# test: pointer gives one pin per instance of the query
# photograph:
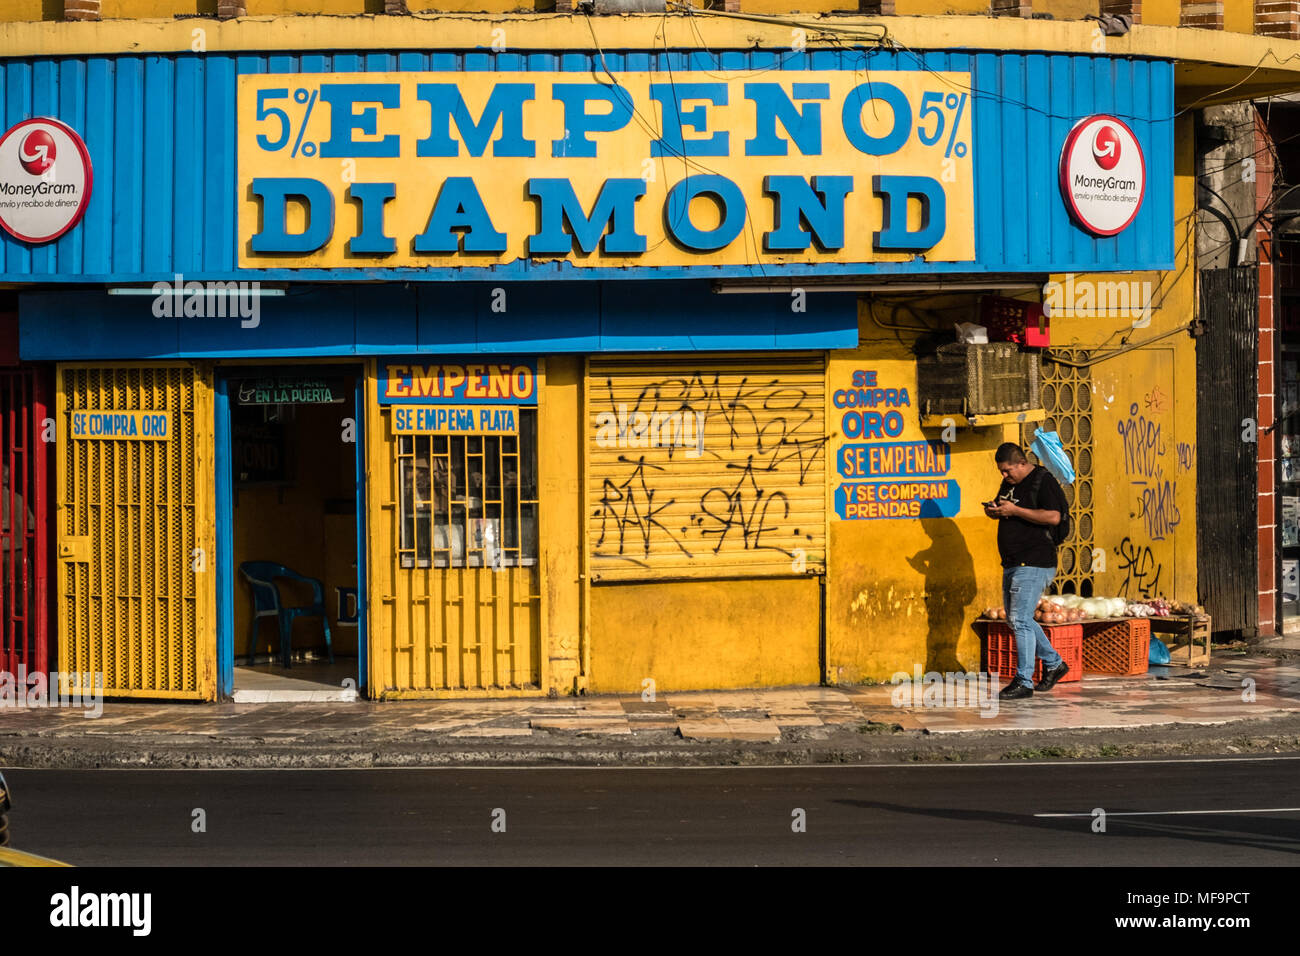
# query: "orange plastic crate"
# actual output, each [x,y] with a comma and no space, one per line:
[1117,647]
[1000,650]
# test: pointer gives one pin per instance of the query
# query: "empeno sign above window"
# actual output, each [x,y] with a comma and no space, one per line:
[398,170]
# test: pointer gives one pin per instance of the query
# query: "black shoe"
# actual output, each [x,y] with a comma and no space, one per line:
[1015,691]
[1050,678]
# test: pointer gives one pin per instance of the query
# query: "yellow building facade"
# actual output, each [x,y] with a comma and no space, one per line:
[643,407]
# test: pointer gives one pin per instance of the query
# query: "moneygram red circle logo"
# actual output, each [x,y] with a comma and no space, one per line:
[37,152]
[1106,147]
[1103,175]
[45,179]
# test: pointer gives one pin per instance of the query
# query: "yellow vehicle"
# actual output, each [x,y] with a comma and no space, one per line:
[10,857]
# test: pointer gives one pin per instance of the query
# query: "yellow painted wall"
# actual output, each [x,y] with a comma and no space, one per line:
[1059,9]
[272,8]
[903,591]
[17,10]
[155,9]
[1239,16]
[1148,532]
[295,531]
[1161,13]
[469,6]
[1067,9]
[698,635]
[936,8]
[560,414]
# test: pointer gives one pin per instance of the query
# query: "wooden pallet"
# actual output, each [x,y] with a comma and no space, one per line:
[1188,639]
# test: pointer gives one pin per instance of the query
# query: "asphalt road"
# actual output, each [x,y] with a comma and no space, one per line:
[926,815]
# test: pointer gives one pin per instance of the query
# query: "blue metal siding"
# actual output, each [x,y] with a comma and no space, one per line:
[161,134]
[457,318]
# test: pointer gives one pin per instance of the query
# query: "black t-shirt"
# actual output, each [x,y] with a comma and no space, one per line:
[1021,541]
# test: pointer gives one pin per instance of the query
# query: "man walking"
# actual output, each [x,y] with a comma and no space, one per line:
[1029,504]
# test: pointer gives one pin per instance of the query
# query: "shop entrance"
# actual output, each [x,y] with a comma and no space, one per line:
[456,580]
[288,509]
[133,531]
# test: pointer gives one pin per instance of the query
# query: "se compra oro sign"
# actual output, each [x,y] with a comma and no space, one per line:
[45,179]
[1103,175]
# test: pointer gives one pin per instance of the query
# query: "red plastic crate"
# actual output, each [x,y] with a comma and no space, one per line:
[1117,647]
[1014,320]
[1000,650]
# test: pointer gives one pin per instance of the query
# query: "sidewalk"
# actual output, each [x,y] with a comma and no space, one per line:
[1169,710]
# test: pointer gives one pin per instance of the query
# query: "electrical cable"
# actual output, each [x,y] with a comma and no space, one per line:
[1190,327]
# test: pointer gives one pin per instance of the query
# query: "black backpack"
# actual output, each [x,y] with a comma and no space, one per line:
[1060,531]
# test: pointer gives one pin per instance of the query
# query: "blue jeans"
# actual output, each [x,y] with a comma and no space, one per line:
[1021,589]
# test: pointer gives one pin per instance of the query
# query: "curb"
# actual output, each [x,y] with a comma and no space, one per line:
[1243,738]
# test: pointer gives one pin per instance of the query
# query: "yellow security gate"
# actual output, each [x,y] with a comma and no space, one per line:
[135,530]
[455,606]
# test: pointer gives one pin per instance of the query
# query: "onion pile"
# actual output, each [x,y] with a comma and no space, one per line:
[1054,610]
[1071,608]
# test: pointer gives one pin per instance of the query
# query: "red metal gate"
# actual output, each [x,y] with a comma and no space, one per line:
[24,545]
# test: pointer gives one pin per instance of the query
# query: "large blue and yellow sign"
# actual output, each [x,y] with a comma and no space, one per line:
[435,170]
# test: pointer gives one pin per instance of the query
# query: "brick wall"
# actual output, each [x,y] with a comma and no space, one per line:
[1204,16]
[1270,271]
[1011,8]
[1132,8]
[1278,18]
[80,9]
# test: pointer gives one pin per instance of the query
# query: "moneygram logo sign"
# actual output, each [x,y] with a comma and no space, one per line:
[37,152]
[45,180]
[1103,175]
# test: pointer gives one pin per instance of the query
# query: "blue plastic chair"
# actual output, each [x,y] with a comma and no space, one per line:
[261,576]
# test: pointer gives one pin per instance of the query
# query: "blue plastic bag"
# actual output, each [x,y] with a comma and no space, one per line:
[1047,446]
[1157,652]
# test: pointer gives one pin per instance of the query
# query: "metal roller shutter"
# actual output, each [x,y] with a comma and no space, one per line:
[706,466]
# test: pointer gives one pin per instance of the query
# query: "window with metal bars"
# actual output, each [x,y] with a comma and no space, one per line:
[469,501]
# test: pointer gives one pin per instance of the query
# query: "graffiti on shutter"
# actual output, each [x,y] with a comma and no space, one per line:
[706,467]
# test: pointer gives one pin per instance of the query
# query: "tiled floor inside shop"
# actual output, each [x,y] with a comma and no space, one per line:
[306,682]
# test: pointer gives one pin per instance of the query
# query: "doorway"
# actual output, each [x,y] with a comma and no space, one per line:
[291,533]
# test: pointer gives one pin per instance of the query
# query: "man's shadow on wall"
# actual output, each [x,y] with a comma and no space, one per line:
[950,588]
